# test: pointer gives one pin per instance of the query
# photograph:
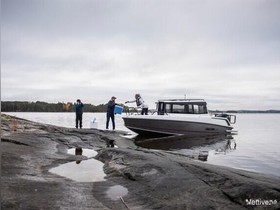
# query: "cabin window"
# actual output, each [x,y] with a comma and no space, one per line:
[168,108]
[196,109]
[190,108]
[202,109]
[178,108]
[162,108]
[199,109]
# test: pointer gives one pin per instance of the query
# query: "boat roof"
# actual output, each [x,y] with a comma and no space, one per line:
[181,100]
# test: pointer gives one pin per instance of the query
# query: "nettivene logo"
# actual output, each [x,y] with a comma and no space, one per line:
[261,202]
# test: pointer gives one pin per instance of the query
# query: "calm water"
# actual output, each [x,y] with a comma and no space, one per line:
[255,148]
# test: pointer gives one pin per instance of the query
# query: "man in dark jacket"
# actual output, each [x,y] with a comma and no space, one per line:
[79,113]
[110,112]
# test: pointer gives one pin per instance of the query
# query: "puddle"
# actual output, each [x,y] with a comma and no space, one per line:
[90,170]
[85,171]
[116,192]
[80,151]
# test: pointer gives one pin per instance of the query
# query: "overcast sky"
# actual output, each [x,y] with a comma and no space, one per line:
[227,52]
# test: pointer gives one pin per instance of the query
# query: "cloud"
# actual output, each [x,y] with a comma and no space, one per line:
[62,50]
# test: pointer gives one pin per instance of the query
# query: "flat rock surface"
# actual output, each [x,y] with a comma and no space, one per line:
[154,179]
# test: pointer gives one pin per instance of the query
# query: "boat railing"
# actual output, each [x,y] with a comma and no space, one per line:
[153,112]
[183,99]
[137,111]
[132,111]
[231,118]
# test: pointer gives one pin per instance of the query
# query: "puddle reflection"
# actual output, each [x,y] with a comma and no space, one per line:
[87,171]
[90,170]
[116,192]
[80,151]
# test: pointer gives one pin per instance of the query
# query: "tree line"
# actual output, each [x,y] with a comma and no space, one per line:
[39,106]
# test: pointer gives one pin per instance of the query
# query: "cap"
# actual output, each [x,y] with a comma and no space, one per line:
[113,97]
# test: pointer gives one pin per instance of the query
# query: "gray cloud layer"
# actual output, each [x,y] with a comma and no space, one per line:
[227,52]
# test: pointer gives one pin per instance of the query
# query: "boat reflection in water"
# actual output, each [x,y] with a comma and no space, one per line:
[196,147]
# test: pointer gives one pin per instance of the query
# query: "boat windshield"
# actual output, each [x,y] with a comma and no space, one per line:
[182,108]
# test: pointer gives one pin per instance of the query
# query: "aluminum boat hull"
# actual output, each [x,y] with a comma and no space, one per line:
[163,126]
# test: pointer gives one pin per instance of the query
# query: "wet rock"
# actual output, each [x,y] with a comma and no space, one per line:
[153,179]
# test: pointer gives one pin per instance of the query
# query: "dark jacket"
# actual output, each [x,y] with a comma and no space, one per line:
[111,107]
[79,108]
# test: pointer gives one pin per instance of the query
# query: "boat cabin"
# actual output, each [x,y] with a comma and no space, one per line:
[182,106]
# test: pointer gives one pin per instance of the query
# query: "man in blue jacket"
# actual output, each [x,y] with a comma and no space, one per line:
[79,113]
[110,112]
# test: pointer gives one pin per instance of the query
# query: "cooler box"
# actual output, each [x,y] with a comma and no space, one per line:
[118,109]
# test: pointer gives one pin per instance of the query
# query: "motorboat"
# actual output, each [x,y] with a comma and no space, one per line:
[180,117]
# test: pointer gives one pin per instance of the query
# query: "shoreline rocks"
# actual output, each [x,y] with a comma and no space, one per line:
[154,179]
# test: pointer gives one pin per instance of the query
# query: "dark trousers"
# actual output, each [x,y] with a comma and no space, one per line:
[144,111]
[79,120]
[112,116]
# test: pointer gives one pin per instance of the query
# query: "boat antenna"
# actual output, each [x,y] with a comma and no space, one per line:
[185,96]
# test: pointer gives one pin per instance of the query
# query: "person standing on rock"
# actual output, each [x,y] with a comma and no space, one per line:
[140,103]
[110,112]
[79,113]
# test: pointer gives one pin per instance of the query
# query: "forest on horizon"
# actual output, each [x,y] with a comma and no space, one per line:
[39,106]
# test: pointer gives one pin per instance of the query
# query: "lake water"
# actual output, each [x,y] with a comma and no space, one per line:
[255,148]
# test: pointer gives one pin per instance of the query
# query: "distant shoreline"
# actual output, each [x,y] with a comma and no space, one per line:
[210,111]
[248,111]
[39,106]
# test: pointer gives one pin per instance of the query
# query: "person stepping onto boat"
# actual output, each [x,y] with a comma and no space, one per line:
[140,103]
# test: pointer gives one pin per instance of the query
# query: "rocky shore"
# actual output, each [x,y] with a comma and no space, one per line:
[154,179]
